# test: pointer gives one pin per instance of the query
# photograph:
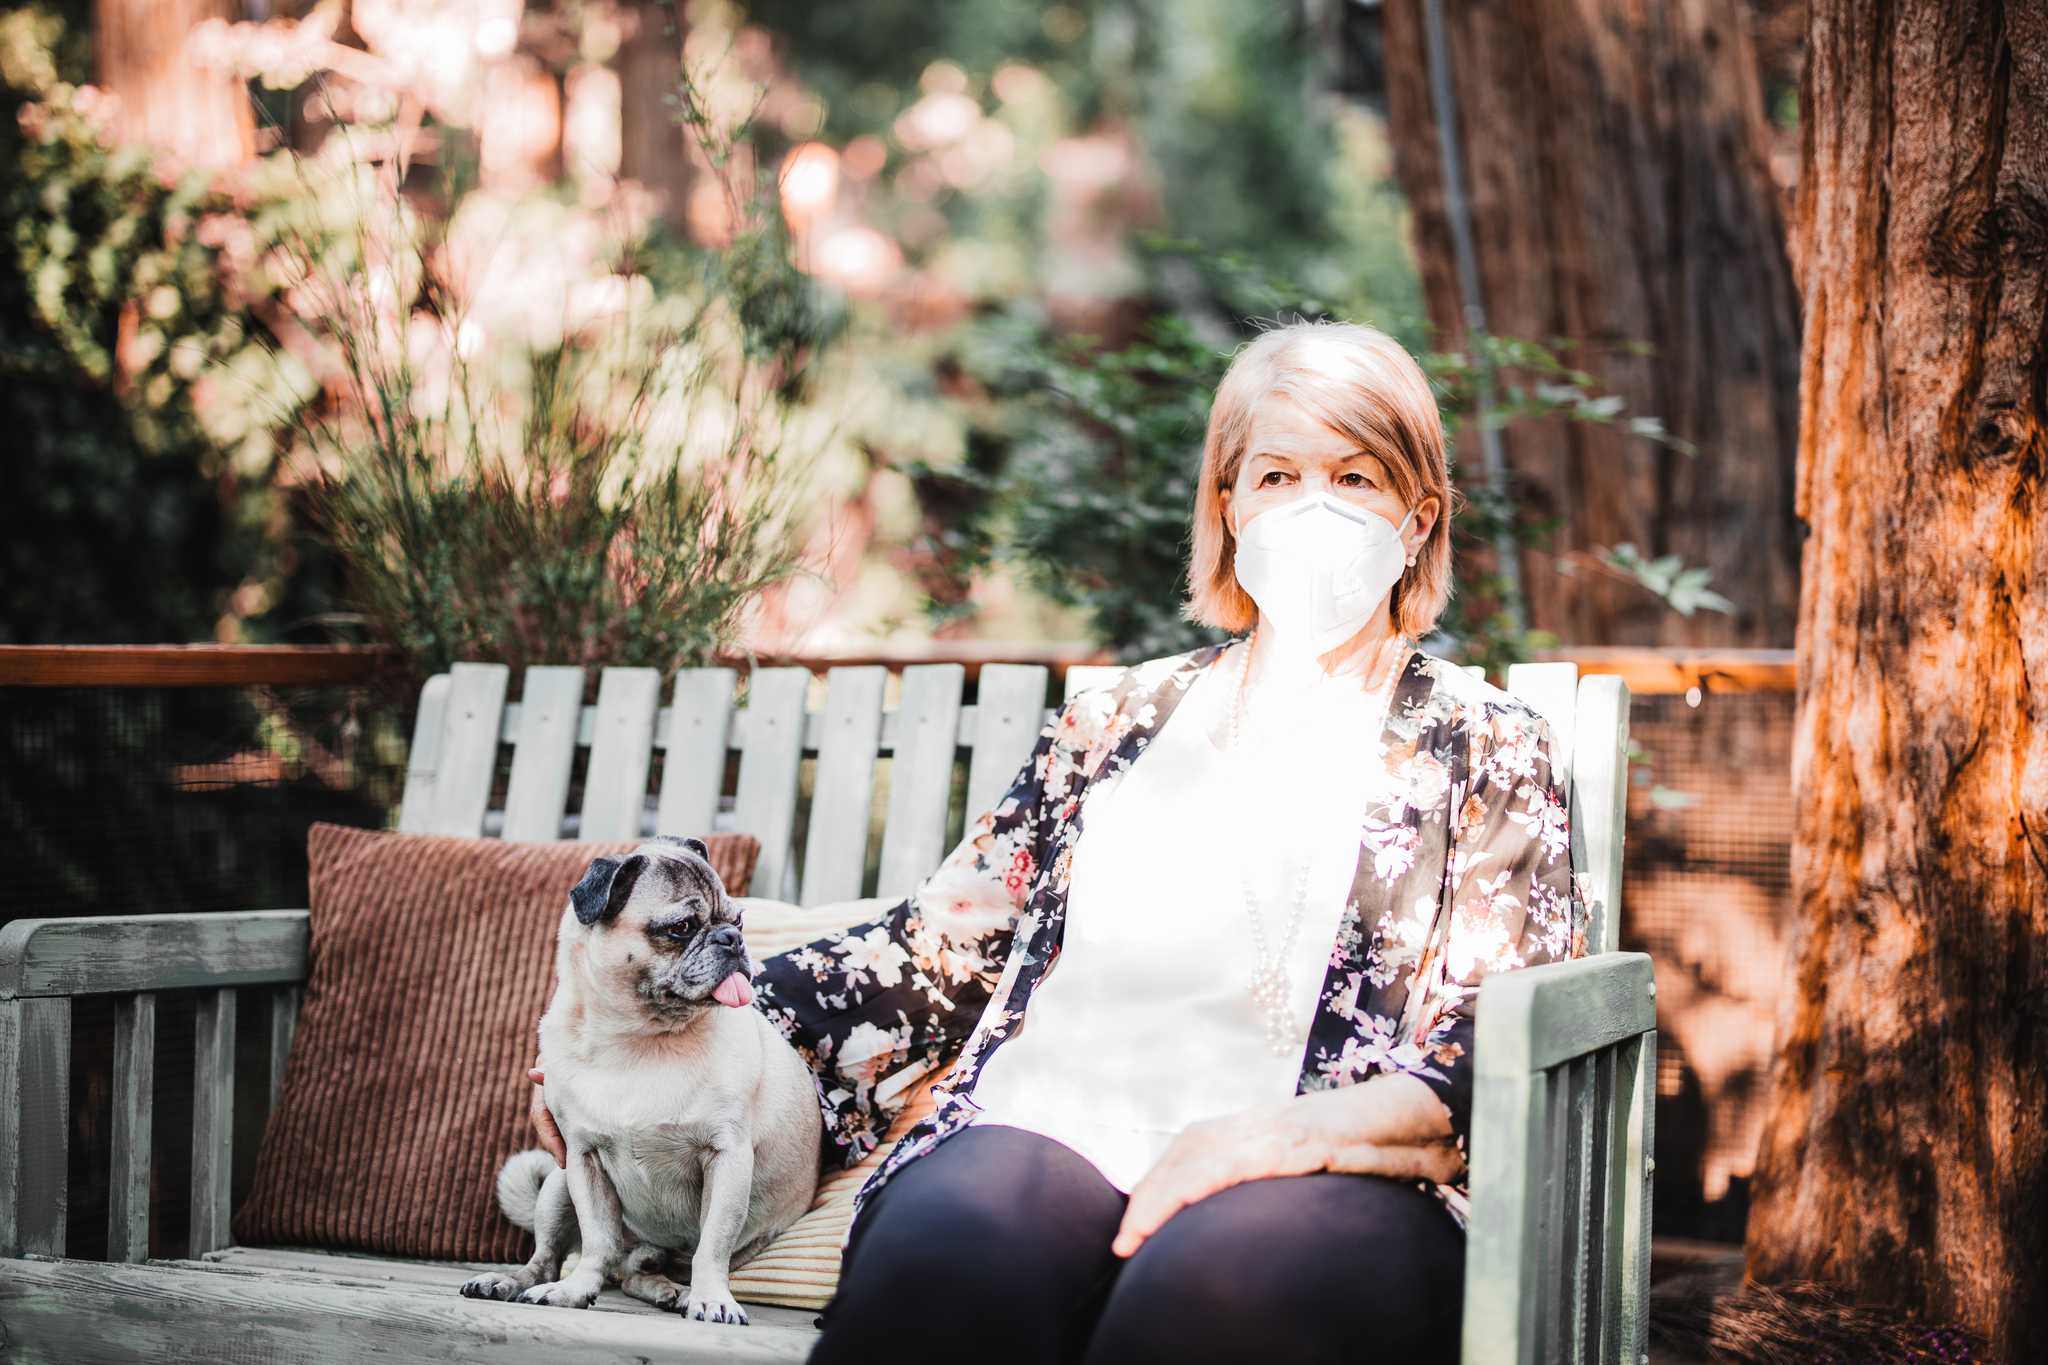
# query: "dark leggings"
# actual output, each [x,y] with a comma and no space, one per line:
[995,1246]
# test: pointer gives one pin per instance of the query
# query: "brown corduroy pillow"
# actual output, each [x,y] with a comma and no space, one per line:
[431,961]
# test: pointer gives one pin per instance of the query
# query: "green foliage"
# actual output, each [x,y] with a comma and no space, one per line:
[1533,379]
[1224,97]
[1081,465]
[1085,460]
[1667,576]
[112,311]
[865,60]
[1220,97]
[124,270]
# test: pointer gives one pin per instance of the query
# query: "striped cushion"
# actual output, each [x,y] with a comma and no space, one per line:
[431,961]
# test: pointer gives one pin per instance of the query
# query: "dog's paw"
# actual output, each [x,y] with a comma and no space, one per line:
[714,1308]
[560,1294]
[658,1290]
[491,1286]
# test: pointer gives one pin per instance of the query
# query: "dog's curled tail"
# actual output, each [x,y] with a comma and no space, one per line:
[519,1183]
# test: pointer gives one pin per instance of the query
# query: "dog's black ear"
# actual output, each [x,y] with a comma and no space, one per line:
[606,884]
[689,841]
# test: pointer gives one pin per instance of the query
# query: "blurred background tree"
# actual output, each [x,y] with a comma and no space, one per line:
[1032,220]
[1623,184]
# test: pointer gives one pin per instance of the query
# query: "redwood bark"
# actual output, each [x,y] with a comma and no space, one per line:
[1617,168]
[199,117]
[1906,1139]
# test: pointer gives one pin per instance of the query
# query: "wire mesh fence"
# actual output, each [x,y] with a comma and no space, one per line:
[142,800]
[1707,893]
[156,800]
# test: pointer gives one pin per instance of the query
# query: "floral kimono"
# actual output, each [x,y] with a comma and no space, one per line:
[1464,868]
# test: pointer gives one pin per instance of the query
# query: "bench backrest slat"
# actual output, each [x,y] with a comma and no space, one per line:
[696,733]
[621,753]
[423,758]
[544,756]
[1598,785]
[1552,689]
[467,761]
[849,746]
[920,776]
[771,760]
[1599,810]
[1009,711]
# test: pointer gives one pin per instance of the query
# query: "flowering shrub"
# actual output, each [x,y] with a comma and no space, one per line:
[529,453]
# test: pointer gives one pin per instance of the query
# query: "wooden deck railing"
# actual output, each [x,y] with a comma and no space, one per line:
[1648,672]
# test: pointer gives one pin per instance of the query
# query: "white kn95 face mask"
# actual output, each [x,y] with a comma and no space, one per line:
[1319,567]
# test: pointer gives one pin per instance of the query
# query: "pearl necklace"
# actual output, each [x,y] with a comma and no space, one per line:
[1270,989]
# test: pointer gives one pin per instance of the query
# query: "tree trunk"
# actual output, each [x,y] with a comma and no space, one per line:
[1616,164]
[1904,1153]
[198,117]
[653,148]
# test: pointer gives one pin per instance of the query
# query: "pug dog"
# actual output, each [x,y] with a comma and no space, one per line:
[692,1125]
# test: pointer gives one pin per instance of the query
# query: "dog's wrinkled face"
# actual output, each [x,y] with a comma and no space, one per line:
[658,926]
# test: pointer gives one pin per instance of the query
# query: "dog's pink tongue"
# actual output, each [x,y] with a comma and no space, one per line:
[734,990]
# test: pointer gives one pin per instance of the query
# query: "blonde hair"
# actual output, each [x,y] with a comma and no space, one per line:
[1382,402]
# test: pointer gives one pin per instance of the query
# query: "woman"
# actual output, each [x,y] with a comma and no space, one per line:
[1234,1125]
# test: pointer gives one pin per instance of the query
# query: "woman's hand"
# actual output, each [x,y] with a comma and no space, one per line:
[1211,1155]
[543,1121]
[1388,1125]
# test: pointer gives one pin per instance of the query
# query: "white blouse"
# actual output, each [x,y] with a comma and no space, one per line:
[1156,951]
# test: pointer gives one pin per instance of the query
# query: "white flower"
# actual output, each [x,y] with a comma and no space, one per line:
[1517,746]
[1424,780]
[953,963]
[964,904]
[1402,937]
[875,952]
[1082,723]
[1393,849]
[1480,934]
[1346,1000]
[868,1051]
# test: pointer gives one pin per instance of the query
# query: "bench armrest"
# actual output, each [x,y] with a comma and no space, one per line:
[1557,1254]
[123,954]
[44,965]
[1534,1018]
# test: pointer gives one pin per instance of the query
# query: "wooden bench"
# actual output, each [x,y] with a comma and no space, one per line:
[1558,1247]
